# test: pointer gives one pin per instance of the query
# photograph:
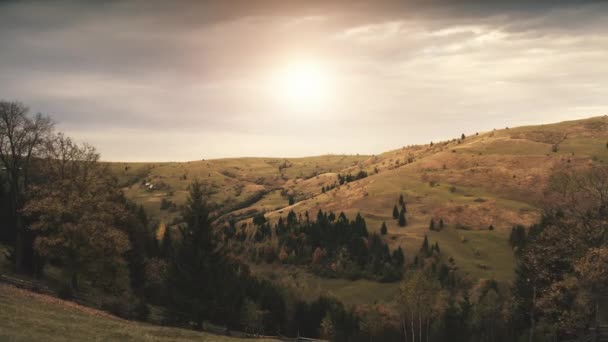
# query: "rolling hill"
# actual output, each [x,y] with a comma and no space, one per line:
[484,179]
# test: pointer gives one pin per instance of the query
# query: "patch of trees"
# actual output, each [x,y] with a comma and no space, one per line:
[332,246]
[347,178]
[561,273]
[436,226]
[399,214]
[326,188]
[64,209]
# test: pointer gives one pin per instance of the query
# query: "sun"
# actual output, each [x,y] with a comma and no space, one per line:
[304,84]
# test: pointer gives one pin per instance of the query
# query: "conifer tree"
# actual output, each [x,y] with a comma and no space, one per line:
[167,243]
[197,271]
[383,229]
[425,246]
[398,257]
[395,212]
[432,225]
[402,220]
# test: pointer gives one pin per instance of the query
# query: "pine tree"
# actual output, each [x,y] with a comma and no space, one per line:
[395,212]
[398,257]
[197,271]
[402,220]
[383,229]
[167,243]
[425,246]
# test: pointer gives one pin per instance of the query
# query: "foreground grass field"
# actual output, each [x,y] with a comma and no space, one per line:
[27,316]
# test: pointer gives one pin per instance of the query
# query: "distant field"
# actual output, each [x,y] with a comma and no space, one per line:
[26,316]
[347,291]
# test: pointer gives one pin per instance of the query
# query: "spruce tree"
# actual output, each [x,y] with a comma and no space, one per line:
[398,257]
[401,201]
[402,220]
[425,246]
[167,243]
[196,269]
[441,224]
[383,229]
[395,212]
[432,225]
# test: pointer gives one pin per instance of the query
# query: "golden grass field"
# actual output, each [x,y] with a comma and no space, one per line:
[492,178]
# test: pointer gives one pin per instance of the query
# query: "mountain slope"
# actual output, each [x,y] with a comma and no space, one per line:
[488,179]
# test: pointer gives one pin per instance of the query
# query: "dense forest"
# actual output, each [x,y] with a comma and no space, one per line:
[62,210]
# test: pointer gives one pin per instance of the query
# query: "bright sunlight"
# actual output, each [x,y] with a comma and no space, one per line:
[304,84]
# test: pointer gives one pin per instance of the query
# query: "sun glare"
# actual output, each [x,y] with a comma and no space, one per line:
[304,84]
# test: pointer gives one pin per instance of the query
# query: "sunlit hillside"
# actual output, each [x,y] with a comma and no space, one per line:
[487,179]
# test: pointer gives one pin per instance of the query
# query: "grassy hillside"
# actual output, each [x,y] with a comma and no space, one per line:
[46,318]
[491,178]
[233,184]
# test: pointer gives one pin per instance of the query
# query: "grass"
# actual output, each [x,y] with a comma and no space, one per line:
[310,286]
[228,181]
[26,316]
[480,254]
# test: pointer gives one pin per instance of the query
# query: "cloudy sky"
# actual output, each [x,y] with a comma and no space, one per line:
[185,80]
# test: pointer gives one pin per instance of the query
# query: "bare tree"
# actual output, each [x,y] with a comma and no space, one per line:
[21,140]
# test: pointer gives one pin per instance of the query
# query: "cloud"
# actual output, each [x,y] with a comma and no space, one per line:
[185,80]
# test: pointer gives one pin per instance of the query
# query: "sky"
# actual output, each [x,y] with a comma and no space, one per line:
[187,80]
